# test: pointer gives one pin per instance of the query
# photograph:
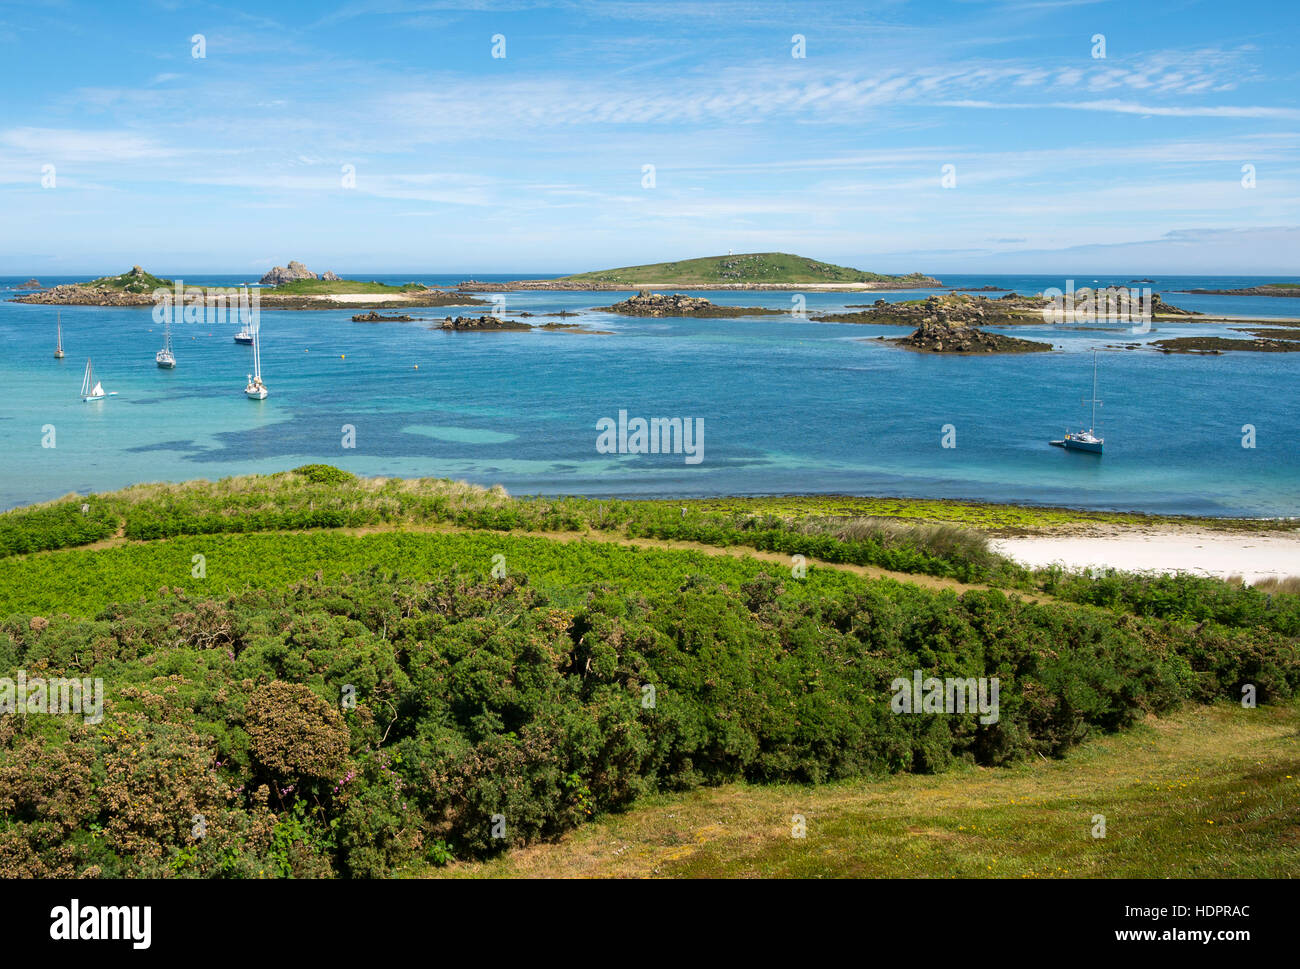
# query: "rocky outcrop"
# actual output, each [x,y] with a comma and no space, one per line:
[646,303]
[373,317]
[480,323]
[279,275]
[935,336]
[1218,344]
[82,295]
[1009,310]
[30,284]
[951,308]
[330,276]
[1267,289]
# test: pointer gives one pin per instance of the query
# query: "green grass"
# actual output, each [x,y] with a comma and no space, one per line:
[996,519]
[760,267]
[1204,792]
[83,582]
[941,539]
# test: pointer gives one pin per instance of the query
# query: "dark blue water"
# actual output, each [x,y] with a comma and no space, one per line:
[789,405]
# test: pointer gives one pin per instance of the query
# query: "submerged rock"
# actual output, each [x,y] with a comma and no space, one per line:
[480,323]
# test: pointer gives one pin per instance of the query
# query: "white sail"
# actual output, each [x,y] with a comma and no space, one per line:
[98,390]
[256,389]
[85,381]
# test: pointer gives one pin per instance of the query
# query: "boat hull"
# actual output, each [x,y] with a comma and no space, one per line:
[245,340]
[1088,446]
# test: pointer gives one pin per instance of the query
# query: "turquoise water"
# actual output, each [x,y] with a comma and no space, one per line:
[789,406]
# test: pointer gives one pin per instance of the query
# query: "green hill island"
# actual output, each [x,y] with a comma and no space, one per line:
[755,270]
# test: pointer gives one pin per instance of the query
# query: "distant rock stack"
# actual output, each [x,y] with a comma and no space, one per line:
[279,275]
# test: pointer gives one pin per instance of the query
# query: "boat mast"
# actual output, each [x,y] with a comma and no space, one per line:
[1093,400]
[1094,391]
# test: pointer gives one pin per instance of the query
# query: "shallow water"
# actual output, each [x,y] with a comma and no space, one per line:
[789,406]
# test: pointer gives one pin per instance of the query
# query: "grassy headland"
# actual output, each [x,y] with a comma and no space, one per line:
[500,653]
[757,267]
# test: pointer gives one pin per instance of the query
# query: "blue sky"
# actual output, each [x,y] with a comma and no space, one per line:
[1064,162]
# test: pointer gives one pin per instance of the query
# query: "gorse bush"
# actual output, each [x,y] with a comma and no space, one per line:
[488,708]
[325,474]
[1185,597]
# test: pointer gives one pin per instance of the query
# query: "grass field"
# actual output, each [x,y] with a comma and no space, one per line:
[1206,792]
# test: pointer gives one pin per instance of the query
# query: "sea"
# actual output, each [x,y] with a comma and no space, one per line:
[786,405]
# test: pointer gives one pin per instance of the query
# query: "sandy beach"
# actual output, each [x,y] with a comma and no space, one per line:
[1253,556]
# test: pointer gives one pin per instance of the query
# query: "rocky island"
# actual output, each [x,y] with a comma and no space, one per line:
[1267,289]
[1009,310]
[646,303]
[1220,344]
[292,287]
[30,284]
[954,336]
[479,324]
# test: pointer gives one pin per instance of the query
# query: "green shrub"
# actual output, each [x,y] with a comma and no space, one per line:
[325,474]
[493,714]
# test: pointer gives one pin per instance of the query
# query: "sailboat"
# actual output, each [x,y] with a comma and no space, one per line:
[245,335]
[92,389]
[165,358]
[58,346]
[1086,440]
[256,390]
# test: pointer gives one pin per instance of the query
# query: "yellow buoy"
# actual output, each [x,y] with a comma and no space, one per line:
[417,366]
[343,356]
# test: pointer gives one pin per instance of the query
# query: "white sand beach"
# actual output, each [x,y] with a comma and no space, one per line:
[1253,556]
